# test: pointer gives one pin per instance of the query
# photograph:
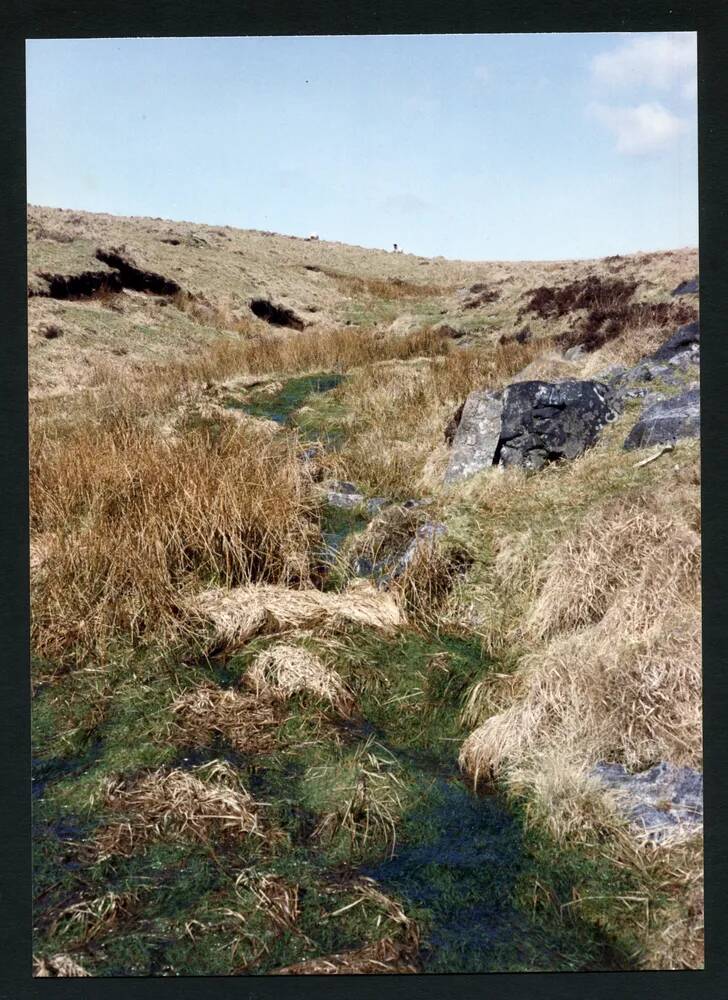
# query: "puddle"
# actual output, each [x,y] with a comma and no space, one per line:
[282,405]
[45,770]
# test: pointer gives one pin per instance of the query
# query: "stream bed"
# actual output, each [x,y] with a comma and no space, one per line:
[460,862]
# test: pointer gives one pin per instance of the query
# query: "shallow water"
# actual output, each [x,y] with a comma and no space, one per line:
[281,405]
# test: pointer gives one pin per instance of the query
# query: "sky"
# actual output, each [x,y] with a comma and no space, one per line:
[477,147]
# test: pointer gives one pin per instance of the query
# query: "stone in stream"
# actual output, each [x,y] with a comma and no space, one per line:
[475,435]
[660,801]
[545,421]
[666,421]
[343,494]
[375,504]
[425,538]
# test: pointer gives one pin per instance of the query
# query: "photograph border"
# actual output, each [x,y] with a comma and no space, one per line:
[27,20]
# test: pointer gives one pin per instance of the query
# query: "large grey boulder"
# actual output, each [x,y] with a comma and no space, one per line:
[475,439]
[666,421]
[545,421]
[658,802]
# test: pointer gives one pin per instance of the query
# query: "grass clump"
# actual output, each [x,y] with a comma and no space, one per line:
[137,519]
[205,803]
[284,670]
[246,723]
[359,799]
[232,617]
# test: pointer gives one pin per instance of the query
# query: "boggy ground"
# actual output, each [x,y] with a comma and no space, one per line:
[265,778]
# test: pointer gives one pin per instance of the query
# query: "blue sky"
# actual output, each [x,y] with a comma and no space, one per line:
[477,147]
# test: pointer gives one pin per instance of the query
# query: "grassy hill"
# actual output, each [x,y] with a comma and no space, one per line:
[251,757]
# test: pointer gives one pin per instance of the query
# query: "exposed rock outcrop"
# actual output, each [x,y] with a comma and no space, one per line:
[475,436]
[276,315]
[544,421]
[135,277]
[666,421]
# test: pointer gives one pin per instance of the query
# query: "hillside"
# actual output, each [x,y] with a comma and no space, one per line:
[326,285]
[365,606]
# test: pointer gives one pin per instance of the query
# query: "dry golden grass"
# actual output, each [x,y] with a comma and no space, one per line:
[205,804]
[607,619]
[285,670]
[398,412]
[245,722]
[136,520]
[229,618]
[389,289]
[615,632]
[385,957]
[57,965]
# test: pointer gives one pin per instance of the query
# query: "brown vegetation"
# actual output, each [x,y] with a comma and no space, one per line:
[206,804]
[285,670]
[245,722]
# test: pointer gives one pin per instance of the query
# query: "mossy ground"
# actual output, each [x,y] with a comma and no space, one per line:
[462,868]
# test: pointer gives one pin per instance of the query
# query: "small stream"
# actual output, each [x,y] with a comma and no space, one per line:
[460,853]
[280,406]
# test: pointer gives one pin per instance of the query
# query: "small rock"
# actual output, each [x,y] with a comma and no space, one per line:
[340,486]
[345,500]
[575,353]
[375,504]
[667,420]
[425,538]
[690,287]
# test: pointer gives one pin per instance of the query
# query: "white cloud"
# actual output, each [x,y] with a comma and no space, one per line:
[646,128]
[661,61]
[482,73]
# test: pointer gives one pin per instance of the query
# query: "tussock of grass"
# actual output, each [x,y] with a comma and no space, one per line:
[205,804]
[245,722]
[57,965]
[238,614]
[385,957]
[91,918]
[359,798]
[619,675]
[285,670]
[273,896]
[136,519]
